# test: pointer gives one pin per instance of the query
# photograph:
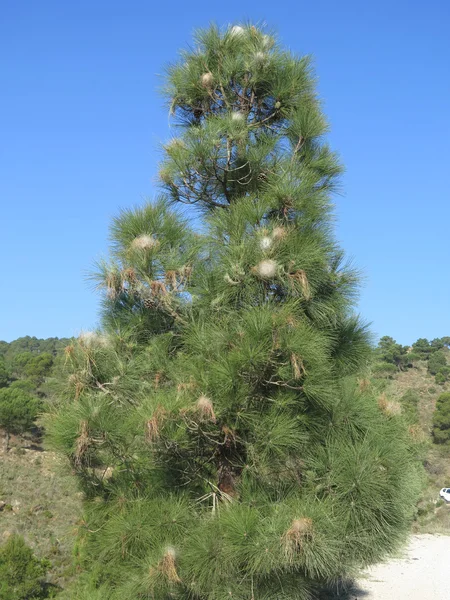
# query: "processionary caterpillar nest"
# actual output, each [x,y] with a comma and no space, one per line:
[166,566]
[300,531]
[205,409]
[144,242]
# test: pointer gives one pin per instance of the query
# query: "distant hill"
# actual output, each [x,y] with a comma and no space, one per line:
[31,344]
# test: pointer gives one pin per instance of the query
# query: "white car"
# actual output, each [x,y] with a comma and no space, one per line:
[445,494]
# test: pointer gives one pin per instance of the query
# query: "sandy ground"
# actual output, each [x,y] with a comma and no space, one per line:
[422,574]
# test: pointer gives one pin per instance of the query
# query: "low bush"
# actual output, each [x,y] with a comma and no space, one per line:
[441,419]
[410,403]
[21,573]
[18,411]
[436,362]
[384,369]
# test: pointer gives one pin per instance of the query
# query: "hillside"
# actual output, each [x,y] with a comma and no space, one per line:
[8,350]
[39,500]
[38,495]
[433,515]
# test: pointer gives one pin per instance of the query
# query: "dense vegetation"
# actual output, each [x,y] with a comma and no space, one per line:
[25,364]
[215,422]
[441,419]
[32,345]
[18,411]
[21,573]
[38,500]
[391,356]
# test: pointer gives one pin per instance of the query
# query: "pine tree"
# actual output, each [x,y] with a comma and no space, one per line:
[216,422]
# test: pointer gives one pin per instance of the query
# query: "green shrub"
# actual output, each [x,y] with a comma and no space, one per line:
[441,419]
[23,384]
[4,374]
[384,369]
[18,411]
[442,375]
[436,362]
[439,343]
[440,378]
[388,351]
[21,573]
[410,402]
[423,348]
[413,357]
[39,367]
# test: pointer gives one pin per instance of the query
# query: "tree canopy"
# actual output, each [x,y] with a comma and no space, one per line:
[18,410]
[31,344]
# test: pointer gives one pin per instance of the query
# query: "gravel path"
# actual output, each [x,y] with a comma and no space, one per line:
[423,573]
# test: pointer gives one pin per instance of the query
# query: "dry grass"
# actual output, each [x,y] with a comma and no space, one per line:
[42,504]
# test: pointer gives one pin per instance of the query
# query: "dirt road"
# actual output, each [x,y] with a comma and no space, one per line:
[422,574]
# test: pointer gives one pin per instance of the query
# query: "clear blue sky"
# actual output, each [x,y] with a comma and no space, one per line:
[81,122]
